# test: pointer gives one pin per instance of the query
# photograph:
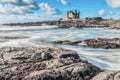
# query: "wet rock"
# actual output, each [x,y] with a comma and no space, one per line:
[70,72]
[62,42]
[46,56]
[13,37]
[74,55]
[108,75]
[44,64]
[103,43]
[95,43]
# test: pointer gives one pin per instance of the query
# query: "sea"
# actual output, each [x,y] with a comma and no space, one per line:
[42,36]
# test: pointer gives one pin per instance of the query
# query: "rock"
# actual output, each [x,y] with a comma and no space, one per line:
[75,23]
[108,75]
[46,56]
[62,42]
[73,55]
[104,43]
[44,64]
[71,72]
[95,43]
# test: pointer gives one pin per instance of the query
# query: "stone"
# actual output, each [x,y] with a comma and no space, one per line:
[44,64]
[113,43]
[108,75]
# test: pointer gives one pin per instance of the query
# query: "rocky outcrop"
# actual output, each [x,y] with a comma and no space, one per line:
[44,64]
[75,23]
[48,64]
[108,75]
[53,22]
[114,24]
[89,23]
[80,24]
[95,43]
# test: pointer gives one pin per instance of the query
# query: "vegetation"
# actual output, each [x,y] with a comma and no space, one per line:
[95,18]
[98,18]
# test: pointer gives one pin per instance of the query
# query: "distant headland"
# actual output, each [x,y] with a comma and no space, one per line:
[73,19]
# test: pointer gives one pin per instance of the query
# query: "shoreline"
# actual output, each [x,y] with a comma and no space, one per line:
[28,63]
[104,43]
[48,63]
[73,23]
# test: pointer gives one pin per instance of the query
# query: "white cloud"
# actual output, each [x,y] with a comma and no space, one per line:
[19,18]
[11,9]
[111,13]
[113,3]
[4,9]
[19,2]
[25,6]
[25,18]
[24,10]
[101,12]
[49,10]
[64,2]
[18,6]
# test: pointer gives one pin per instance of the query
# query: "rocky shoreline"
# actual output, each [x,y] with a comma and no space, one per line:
[48,64]
[44,64]
[89,23]
[104,43]
[74,23]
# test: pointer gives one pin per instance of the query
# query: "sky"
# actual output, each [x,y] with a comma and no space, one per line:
[16,11]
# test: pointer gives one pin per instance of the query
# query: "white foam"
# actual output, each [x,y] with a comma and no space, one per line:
[23,28]
[39,36]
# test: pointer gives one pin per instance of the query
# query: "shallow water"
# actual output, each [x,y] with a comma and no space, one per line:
[107,59]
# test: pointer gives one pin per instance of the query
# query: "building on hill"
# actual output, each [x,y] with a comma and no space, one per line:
[73,14]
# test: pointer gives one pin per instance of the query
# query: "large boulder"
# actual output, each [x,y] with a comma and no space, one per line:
[44,64]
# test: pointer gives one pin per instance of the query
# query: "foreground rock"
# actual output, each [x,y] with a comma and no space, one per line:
[108,75]
[44,64]
[95,43]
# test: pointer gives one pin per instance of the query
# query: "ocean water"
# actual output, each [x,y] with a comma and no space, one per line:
[107,59]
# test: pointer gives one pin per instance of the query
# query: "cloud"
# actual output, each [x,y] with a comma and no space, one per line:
[49,10]
[19,18]
[24,10]
[113,3]
[19,2]
[101,12]
[111,13]
[10,9]
[25,6]
[35,17]
[64,2]
[18,6]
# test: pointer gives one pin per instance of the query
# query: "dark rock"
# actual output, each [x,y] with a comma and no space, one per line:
[44,64]
[46,56]
[74,55]
[95,43]
[108,75]
[62,42]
